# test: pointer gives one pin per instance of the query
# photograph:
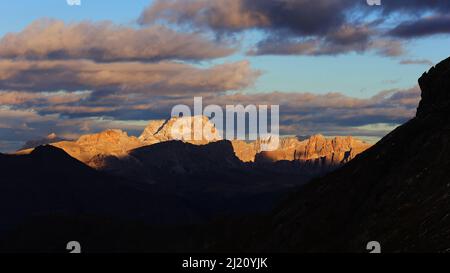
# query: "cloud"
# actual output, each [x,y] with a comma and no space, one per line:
[293,27]
[309,27]
[320,47]
[300,113]
[20,125]
[306,17]
[433,25]
[313,113]
[105,42]
[221,15]
[415,6]
[302,17]
[31,98]
[417,61]
[129,77]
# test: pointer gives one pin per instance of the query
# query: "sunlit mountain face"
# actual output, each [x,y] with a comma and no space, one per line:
[220,117]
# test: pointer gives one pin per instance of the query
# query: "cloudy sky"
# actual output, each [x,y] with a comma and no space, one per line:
[336,67]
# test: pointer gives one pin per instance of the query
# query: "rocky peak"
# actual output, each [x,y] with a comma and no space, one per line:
[330,151]
[109,142]
[161,131]
[149,134]
[111,136]
[435,85]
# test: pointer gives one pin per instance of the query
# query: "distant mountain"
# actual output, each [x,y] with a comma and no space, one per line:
[109,142]
[316,150]
[52,138]
[396,193]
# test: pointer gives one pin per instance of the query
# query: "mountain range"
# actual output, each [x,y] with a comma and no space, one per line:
[116,192]
[116,143]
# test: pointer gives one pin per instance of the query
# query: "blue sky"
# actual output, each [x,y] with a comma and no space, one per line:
[336,67]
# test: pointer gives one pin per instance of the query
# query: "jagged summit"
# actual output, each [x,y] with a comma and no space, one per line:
[435,85]
[329,151]
[163,130]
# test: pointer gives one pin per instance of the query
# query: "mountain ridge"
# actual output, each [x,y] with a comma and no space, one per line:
[113,142]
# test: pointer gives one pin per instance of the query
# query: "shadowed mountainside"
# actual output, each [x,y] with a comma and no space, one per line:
[397,192]
[47,196]
[48,181]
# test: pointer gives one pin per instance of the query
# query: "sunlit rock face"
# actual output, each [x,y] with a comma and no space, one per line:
[110,142]
[196,130]
[245,151]
[330,151]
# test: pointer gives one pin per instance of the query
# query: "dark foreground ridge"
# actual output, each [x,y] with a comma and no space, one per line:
[396,193]
[153,203]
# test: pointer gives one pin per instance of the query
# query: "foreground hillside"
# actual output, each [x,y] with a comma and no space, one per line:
[396,193]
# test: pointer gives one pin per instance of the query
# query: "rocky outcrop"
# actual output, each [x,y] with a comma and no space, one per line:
[245,151]
[435,85]
[317,149]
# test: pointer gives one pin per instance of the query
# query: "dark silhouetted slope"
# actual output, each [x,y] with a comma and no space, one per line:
[48,181]
[210,177]
[397,192]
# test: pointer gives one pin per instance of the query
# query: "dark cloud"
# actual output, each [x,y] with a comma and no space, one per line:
[126,77]
[415,7]
[422,27]
[309,27]
[106,42]
[318,47]
[305,17]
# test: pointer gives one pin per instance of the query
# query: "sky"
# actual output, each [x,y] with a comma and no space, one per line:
[336,67]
